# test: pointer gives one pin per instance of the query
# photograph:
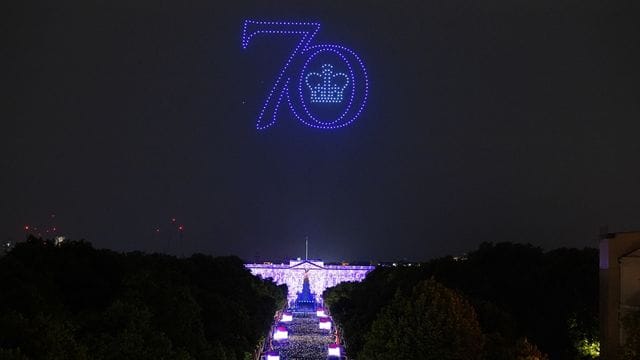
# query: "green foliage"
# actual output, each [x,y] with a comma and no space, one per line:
[524,350]
[41,337]
[75,302]
[128,333]
[518,291]
[585,341]
[12,354]
[355,306]
[631,325]
[432,322]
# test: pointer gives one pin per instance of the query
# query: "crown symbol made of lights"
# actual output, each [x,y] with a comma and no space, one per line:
[322,85]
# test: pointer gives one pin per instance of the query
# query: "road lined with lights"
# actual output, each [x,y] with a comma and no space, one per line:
[303,335]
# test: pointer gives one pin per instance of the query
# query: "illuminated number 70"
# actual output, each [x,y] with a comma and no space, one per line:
[347,90]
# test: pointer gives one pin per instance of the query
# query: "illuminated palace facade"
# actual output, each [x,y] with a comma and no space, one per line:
[320,276]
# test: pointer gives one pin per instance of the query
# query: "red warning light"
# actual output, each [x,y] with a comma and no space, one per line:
[180,227]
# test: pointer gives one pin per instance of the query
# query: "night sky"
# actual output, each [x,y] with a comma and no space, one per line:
[495,120]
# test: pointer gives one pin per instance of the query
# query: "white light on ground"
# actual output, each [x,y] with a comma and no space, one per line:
[334,350]
[273,355]
[286,317]
[281,333]
[306,341]
[320,313]
[325,324]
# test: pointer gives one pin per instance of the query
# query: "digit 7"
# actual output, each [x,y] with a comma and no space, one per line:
[307,31]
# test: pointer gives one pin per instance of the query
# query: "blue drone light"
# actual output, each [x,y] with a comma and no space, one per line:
[314,88]
[326,86]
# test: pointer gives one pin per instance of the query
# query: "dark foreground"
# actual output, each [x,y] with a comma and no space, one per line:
[71,301]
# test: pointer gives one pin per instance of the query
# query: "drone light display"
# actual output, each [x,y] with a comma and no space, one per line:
[325,85]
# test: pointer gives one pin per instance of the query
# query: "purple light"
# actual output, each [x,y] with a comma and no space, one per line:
[281,333]
[334,350]
[324,90]
[325,324]
[351,112]
[273,355]
[286,317]
[325,93]
[320,276]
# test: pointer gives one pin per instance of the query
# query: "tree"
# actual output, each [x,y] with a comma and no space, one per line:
[12,354]
[524,350]
[431,322]
[128,333]
[39,337]
[71,301]
[631,325]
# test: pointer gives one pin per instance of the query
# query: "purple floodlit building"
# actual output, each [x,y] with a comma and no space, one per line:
[320,276]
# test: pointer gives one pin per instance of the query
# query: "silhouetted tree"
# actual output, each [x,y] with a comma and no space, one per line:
[128,333]
[432,322]
[70,301]
[518,291]
[631,346]
[524,350]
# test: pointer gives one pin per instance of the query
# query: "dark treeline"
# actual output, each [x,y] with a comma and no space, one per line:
[71,301]
[503,301]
